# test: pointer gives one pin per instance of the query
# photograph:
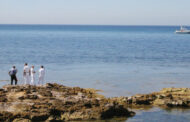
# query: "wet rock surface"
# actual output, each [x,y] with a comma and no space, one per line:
[53,102]
[167,97]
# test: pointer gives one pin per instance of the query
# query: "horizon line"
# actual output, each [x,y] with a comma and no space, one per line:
[93,25]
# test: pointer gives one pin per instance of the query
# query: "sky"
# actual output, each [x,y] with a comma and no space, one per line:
[95,12]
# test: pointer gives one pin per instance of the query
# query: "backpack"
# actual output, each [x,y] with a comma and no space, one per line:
[13,72]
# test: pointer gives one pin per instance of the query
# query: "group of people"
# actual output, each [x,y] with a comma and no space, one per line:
[28,75]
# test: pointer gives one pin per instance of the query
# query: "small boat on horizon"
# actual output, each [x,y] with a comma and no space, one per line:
[182,31]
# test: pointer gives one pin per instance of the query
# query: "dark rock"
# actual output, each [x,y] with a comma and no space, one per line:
[116,111]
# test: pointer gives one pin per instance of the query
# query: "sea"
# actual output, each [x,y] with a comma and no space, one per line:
[117,60]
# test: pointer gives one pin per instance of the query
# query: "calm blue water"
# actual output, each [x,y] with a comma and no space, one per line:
[121,60]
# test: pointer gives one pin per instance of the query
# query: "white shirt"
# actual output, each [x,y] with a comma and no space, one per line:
[41,72]
[26,69]
[32,71]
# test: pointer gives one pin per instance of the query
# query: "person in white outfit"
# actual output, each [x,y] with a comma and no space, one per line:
[26,74]
[32,74]
[41,75]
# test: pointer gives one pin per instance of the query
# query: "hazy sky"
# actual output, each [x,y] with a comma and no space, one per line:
[111,12]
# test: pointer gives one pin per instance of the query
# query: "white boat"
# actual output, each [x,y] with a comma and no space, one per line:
[183,31]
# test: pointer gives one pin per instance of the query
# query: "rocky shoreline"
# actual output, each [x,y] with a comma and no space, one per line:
[54,102]
[166,98]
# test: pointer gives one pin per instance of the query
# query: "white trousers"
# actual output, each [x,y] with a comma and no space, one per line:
[26,79]
[41,80]
[32,80]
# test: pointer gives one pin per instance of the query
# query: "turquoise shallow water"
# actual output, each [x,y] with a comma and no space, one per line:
[120,60]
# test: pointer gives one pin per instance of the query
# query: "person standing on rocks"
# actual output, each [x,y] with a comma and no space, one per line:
[12,74]
[32,71]
[41,75]
[26,74]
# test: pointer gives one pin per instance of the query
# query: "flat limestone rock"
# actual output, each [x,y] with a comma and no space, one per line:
[167,97]
[54,102]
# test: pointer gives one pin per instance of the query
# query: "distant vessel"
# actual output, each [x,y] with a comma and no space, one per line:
[182,31]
